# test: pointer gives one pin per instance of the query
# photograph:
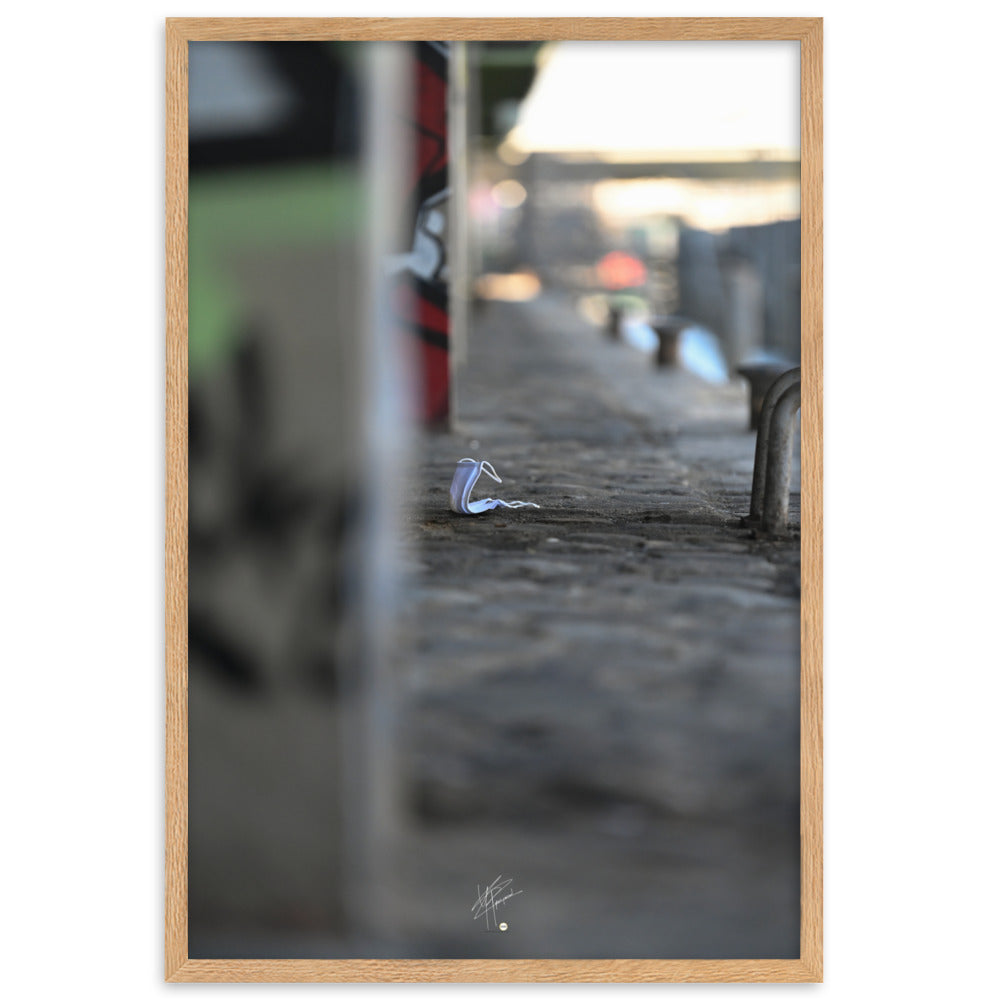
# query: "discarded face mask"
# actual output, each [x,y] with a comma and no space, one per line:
[466,476]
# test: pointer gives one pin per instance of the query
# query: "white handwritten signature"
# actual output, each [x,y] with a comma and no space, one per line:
[488,899]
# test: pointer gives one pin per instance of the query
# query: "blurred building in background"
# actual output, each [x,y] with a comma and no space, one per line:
[683,157]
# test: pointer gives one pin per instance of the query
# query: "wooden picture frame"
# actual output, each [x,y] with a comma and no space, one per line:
[808,32]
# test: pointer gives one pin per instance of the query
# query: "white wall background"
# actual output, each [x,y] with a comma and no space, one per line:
[911,550]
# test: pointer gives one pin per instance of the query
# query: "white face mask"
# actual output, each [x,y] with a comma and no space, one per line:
[466,475]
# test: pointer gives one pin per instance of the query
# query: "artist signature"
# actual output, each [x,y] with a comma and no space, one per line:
[495,894]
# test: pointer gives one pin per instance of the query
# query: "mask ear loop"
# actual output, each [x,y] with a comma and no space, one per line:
[491,472]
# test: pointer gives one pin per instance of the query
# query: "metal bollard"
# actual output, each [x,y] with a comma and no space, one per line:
[760,377]
[613,328]
[780,384]
[668,330]
[779,460]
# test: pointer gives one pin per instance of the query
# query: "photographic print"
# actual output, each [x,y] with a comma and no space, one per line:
[494,519]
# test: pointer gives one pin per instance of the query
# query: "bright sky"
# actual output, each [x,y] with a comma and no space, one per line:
[663,100]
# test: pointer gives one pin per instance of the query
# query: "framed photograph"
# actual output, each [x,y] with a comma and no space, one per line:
[494,500]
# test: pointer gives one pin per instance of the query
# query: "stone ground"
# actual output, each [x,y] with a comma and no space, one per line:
[601,696]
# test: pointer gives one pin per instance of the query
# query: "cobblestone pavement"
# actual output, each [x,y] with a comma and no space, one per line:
[601,695]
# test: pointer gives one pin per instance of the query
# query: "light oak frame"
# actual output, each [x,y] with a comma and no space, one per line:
[809,33]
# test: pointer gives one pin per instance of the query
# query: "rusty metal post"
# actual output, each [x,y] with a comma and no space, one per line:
[779,460]
[780,384]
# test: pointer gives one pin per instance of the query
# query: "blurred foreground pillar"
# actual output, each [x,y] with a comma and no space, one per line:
[298,174]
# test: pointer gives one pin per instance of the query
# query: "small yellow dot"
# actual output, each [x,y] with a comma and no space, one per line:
[503,926]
